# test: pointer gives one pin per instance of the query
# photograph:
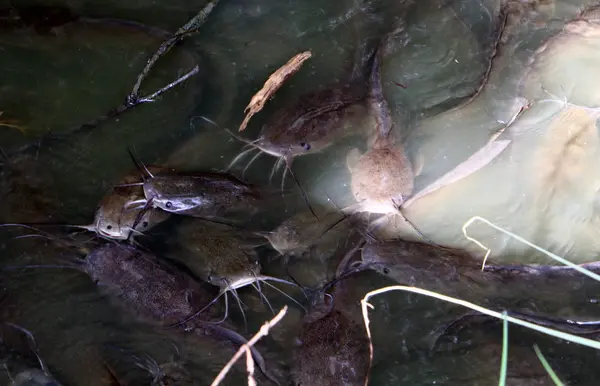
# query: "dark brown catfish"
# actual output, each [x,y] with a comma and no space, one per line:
[311,124]
[156,292]
[115,220]
[201,194]
[219,254]
[314,121]
[334,350]
[333,344]
[519,288]
[147,286]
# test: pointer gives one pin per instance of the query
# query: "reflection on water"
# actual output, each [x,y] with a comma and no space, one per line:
[544,186]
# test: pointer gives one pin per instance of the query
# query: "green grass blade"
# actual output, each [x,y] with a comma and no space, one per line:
[544,330]
[504,362]
[526,242]
[547,366]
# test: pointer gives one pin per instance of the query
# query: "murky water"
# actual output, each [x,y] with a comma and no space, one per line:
[544,186]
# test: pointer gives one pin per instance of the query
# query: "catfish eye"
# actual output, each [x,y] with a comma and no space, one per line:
[145,224]
[386,271]
[169,204]
[109,227]
[305,145]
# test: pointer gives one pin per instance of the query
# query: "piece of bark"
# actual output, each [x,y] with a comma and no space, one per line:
[273,84]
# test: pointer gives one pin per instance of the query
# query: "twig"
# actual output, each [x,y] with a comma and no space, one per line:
[150,98]
[273,83]
[250,368]
[188,28]
[365,313]
[117,111]
[11,125]
[133,99]
[264,331]
[516,116]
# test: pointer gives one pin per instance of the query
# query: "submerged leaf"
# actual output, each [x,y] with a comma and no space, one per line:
[478,160]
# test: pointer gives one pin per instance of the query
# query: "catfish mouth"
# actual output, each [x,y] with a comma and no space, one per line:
[227,286]
[272,150]
[283,159]
[180,204]
[240,282]
[97,229]
[115,236]
[378,206]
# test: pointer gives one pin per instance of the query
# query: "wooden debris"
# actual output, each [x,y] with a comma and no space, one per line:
[134,98]
[11,124]
[273,84]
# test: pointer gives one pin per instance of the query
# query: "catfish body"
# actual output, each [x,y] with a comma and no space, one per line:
[383,177]
[315,120]
[215,252]
[459,274]
[114,219]
[151,289]
[333,344]
[334,350]
[201,194]
[300,233]
[158,293]
[311,124]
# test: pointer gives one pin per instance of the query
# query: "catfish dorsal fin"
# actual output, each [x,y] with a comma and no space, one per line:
[139,165]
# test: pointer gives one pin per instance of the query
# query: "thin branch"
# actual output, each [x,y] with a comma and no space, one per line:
[499,132]
[264,331]
[133,99]
[117,111]
[365,313]
[187,29]
[504,358]
[151,97]
[250,367]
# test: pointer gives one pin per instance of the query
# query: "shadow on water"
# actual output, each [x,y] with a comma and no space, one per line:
[71,64]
